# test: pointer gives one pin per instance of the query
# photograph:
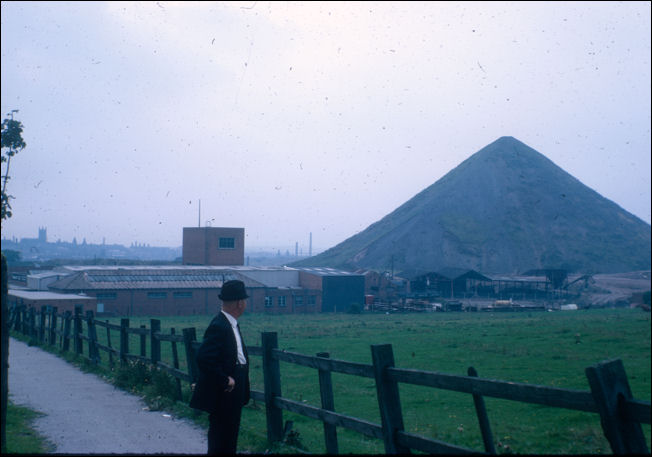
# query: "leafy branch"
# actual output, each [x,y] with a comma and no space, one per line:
[12,144]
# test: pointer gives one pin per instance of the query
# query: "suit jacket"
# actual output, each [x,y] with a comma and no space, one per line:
[217,359]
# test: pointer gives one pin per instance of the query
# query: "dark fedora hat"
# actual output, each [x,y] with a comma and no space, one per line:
[233,290]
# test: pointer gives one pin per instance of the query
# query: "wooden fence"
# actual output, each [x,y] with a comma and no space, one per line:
[610,396]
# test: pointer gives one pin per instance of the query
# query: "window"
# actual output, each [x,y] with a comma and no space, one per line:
[312,300]
[281,301]
[106,296]
[268,302]
[157,294]
[298,300]
[226,243]
[183,295]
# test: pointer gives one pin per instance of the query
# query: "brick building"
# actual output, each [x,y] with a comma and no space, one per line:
[186,290]
[213,246]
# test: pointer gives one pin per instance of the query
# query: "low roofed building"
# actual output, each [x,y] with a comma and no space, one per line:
[38,298]
[183,290]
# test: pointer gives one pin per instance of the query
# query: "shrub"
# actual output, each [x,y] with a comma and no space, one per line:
[133,375]
[355,308]
[158,387]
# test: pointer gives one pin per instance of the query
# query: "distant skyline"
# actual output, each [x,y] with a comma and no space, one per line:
[296,250]
[287,118]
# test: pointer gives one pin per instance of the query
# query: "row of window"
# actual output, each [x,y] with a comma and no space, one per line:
[281,301]
[114,295]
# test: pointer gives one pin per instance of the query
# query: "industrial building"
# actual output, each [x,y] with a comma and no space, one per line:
[211,256]
[184,290]
[464,283]
[37,298]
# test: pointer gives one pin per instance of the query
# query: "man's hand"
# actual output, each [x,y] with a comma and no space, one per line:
[231,385]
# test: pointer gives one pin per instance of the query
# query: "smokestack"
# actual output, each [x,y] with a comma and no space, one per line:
[296,249]
[199,218]
[310,248]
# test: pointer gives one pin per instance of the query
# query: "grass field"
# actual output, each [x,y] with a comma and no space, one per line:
[21,436]
[550,349]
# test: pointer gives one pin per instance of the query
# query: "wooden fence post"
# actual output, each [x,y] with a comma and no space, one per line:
[189,337]
[61,327]
[41,329]
[77,329]
[483,419]
[155,353]
[272,382]
[108,343]
[67,317]
[93,351]
[328,403]
[32,323]
[26,321]
[175,364]
[53,326]
[12,317]
[610,389]
[18,321]
[389,401]
[143,342]
[124,339]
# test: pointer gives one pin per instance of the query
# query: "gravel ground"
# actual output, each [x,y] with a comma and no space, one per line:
[86,415]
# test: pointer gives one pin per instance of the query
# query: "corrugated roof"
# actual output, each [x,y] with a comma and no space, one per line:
[455,273]
[107,277]
[42,295]
[44,274]
[520,278]
[327,271]
[132,278]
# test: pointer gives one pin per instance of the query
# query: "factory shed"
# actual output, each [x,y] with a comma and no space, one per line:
[153,290]
[451,283]
[187,290]
[38,298]
[522,287]
[42,279]
[285,292]
[339,289]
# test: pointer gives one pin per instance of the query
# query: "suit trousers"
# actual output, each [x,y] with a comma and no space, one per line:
[224,425]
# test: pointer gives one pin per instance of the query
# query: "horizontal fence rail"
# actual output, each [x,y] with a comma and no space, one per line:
[352,423]
[621,415]
[549,396]
[338,366]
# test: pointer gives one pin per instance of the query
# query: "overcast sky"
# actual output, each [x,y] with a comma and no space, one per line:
[288,118]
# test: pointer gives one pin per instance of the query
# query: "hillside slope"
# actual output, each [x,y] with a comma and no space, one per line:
[506,209]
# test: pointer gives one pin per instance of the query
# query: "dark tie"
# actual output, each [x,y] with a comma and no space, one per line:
[244,347]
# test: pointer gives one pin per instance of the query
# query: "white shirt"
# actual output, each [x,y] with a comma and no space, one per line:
[234,325]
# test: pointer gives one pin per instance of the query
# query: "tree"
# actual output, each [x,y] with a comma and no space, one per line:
[12,144]
[11,255]
[5,354]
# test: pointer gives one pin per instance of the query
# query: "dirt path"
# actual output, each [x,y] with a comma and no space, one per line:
[85,415]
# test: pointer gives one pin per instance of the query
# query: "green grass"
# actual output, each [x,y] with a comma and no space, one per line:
[21,436]
[551,349]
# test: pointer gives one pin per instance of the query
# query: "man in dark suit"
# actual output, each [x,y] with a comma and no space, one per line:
[223,385]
